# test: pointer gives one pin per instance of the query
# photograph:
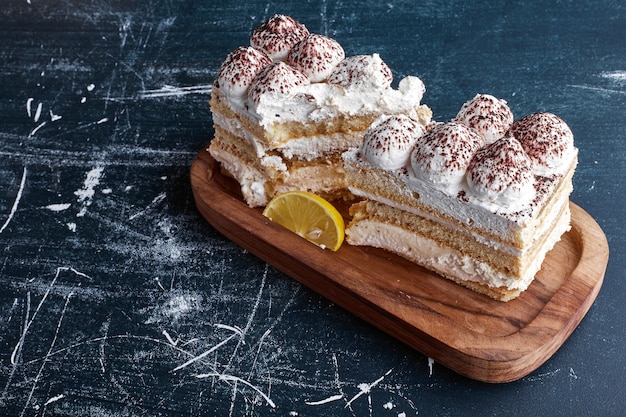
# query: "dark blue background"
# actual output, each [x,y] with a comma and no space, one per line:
[111,281]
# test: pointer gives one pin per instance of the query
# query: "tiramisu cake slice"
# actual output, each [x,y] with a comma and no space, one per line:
[286,107]
[479,200]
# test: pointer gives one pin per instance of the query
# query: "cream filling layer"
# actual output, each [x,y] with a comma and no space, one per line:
[445,261]
[307,147]
[252,181]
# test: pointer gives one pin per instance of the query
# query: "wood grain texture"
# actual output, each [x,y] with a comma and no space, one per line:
[471,334]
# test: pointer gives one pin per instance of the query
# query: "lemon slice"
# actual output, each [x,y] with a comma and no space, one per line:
[308,215]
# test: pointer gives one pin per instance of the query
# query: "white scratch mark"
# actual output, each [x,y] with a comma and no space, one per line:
[29,104]
[192,340]
[30,319]
[234,329]
[619,76]
[71,226]
[431,362]
[16,203]
[18,347]
[155,201]
[105,338]
[54,117]
[204,354]
[102,359]
[572,374]
[325,400]
[80,274]
[123,32]
[85,194]
[36,129]
[12,309]
[38,112]
[158,281]
[58,207]
[366,388]
[103,120]
[169,338]
[337,380]
[16,352]
[171,91]
[250,317]
[49,353]
[543,376]
[257,302]
[259,347]
[232,378]
[54,399]
[91,87]
[597,89]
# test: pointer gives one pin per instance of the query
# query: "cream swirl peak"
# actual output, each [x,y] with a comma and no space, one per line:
[546,138]
[276,80]
[316,56]
[489,115]
[502,172]
[277,35]
[387,143]
[362,72]
[442,156]
[239,69]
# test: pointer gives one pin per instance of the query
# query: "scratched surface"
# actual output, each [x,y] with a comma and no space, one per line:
[118,299]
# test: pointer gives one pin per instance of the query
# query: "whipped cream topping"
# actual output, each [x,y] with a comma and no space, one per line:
[412,88]
[321,101]
[277,35]
[546,138]
[453,161]
[275,81]
[316,56]
[239,69]
[361,84]
[388,141]
[442,156]
[502,172]
[489,115]
[362,72]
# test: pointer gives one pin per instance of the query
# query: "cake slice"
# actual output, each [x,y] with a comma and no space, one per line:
[479,200]
[287,106]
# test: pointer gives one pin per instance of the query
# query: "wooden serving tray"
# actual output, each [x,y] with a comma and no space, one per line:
[467,332]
